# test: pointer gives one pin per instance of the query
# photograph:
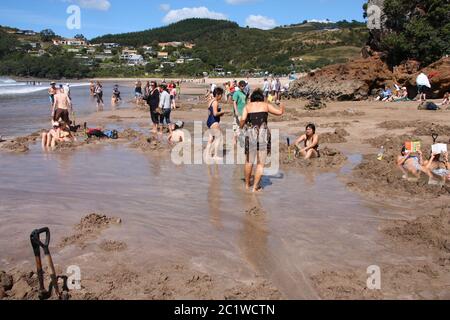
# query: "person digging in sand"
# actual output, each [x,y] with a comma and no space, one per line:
[311,143]
[257,136]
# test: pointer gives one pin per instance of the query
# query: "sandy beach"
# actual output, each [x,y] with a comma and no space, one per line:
[141,227]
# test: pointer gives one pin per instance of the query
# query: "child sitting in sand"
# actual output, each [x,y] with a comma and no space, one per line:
[410,164]
[311,143]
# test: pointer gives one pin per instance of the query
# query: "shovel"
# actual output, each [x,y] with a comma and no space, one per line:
[289,149]
[37,244]
[434,136]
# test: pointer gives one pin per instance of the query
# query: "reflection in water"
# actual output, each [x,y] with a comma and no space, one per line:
[214,196]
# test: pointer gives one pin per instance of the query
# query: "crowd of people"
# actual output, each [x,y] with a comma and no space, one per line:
[399,93]
[250,110]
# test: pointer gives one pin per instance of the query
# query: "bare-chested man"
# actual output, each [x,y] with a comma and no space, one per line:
[61,106]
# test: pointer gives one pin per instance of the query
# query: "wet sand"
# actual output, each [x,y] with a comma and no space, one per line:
[194,232]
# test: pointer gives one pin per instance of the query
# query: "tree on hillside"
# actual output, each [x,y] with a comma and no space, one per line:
[415,29]
[47,35]
[80,37]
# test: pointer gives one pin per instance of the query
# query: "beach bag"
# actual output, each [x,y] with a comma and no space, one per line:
[112,134]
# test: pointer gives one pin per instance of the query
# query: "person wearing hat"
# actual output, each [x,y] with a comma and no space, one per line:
[47,137]
[52,92]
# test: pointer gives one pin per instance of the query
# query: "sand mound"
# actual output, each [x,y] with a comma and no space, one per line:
[432,230]
[329,159]
[428,128]
[148,144]
[21,144]
[110,246]
[129,134]
[384,178]
[88,229]
[337,137]
[171,282]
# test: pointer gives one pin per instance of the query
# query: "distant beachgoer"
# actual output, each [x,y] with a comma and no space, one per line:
[439,166]
[257,140]
[177,133]
[61,106]
[446,100]
[247,90]
[153,102]
[410,164]
[311,143]
[138,92]
[92,88]
[116,98]
[173,96]
[423,86]
[215,135]
[147,90]
[239,102]
[178,90]
[99,96]
[278,89]
[266,89]
[165,106]
[52,91]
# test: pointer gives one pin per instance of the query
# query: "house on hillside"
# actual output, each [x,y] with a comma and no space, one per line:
[69,42]
[135,60]
[111,45]
[163,55]
[188,45]
[173,44]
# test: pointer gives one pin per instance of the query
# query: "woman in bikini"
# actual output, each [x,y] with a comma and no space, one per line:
[311,143]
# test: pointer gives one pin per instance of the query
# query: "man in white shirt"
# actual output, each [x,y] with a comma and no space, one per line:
[423,84]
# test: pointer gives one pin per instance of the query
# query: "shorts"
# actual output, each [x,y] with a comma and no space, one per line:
[63,114]
[422,89]
[266,94]
[137,95]
[155,117]
[164,118]
[52,99]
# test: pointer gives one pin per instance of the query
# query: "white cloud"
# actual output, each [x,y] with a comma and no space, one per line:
[186,13]
[235,2]
[320,21]
[260,22]
[164,7]
[102,5]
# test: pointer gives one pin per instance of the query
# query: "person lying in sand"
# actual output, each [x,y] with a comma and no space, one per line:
[177,134]
[439,166]
[410,164]
[311,143]
[402,95]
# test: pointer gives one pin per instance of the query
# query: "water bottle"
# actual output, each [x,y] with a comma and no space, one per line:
[381,154]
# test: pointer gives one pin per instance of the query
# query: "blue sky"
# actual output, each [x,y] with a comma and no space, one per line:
[100,17]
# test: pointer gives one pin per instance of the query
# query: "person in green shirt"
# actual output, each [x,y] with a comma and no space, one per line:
[239,102]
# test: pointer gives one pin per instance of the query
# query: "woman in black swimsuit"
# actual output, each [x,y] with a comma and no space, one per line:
[255,118]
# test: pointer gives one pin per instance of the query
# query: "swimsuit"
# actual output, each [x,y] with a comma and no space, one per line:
[212,119]
[416,163]
[257,134]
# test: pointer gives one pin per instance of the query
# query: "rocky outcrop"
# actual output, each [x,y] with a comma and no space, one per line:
[350,81]
[358,79]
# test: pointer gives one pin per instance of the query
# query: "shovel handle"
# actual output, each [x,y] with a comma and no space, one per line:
[434,136]
[36,240]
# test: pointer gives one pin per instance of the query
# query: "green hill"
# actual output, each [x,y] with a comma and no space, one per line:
[225,43]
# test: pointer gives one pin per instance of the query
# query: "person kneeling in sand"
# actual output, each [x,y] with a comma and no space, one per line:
[410,164]
[439,166]
[311,143]
[177,134]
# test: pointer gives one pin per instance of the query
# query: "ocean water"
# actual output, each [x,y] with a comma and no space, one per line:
[25,108]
